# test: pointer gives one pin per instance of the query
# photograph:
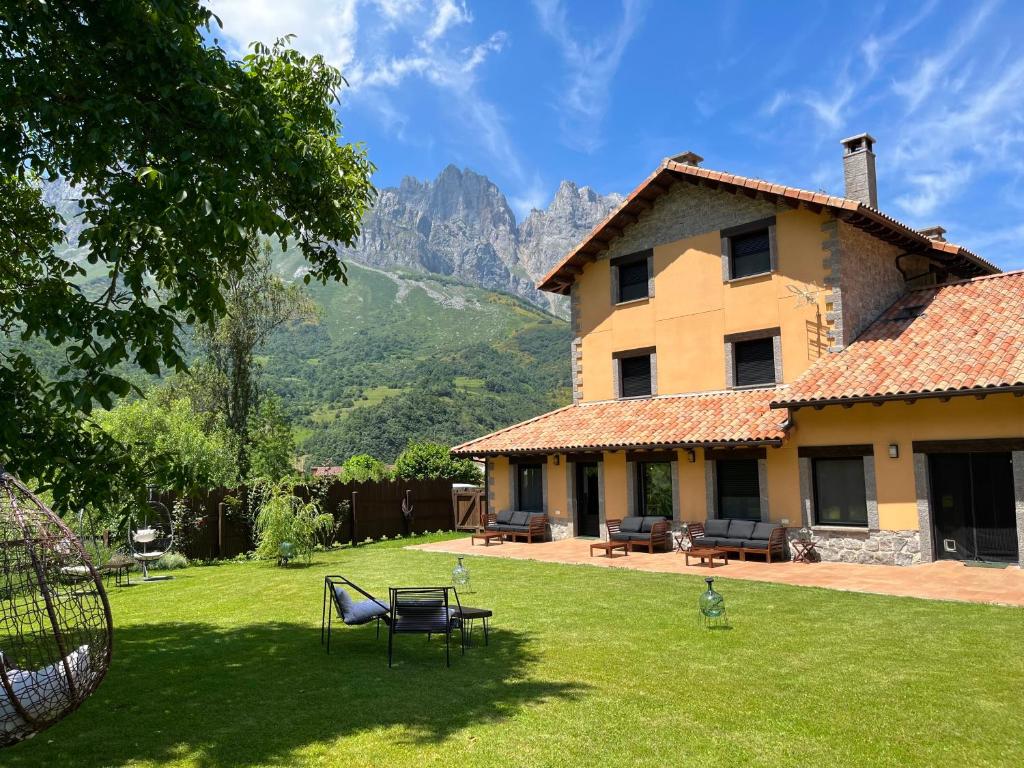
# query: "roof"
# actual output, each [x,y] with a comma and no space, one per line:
[326,471]
[670,421]
[876,223]
[967,338]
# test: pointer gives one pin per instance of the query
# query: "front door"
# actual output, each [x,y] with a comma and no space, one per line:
[972,506]
[588,506]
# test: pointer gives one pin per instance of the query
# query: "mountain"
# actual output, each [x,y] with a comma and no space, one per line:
[461,224]
[440,333]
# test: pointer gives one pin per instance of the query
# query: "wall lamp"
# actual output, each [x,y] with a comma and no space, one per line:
[691,455]
[558,459]
[894,450]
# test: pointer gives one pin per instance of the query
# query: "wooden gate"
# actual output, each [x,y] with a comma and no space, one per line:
[470,508]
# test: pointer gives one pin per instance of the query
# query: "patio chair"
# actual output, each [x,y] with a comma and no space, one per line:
[425,611]
[352,613]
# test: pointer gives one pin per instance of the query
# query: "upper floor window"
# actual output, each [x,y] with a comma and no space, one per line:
[755,362]
[635,373]
[749,249]
[632,277]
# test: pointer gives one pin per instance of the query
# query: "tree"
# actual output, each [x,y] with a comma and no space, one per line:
[432,461]
[258,303]
[363,467]
[178,154]
[271,443]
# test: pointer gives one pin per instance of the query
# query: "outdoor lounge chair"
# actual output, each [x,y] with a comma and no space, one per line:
[425,611]
[743,537]
[640,532]
[352,613]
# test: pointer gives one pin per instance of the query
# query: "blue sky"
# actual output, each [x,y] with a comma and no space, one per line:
[596,91]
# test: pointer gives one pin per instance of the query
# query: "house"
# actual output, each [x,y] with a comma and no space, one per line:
[743,349]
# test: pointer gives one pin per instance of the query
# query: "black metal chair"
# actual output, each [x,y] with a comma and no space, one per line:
[351,613]
[425,611]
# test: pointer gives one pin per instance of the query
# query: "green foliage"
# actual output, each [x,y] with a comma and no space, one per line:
[363,467]
[271,442]
[178,154]
[172,561]
[283,516]
[432,461]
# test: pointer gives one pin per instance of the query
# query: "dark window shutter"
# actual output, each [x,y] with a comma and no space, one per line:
[739,490]
[755,362]
[636,376]
[531,490]
[633,280]
[840,497]
[751,254]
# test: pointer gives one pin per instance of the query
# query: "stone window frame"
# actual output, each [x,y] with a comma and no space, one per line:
[631,258]
[617,358]
[730,341]
[745,229]
[513,469]
[806,456]
[711,455]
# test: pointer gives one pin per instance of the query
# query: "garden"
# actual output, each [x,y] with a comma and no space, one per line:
[223,666]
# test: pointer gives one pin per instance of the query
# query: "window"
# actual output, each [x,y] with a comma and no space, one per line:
[632,276]
[529,487]
[840,497]
[739,490]
[754,362]
[654,488]
[749,249]
[635,378]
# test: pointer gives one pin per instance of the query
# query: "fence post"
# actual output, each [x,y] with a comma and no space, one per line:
[352,513]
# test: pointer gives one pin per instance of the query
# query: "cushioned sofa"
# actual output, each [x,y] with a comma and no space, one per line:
[518,523]
[741,536]
[647,532]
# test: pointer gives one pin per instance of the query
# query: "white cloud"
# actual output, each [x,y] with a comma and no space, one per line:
[935,70]
[448,13]
[592,64]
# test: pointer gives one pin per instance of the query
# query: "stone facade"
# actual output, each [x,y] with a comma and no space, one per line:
[863,280]
[873,547]
[686,211]
[561,528]
[576,347]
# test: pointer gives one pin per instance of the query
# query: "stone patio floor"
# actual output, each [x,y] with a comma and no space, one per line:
[943,580]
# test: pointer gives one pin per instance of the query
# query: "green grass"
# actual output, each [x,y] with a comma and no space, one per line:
[587,666]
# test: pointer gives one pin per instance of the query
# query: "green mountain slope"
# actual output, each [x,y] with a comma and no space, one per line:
[399,357]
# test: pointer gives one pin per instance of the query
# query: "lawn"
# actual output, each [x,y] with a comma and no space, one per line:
[587,666]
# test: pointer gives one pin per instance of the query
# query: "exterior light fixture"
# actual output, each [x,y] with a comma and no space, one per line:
[894,450]
[558,459]
[691,455]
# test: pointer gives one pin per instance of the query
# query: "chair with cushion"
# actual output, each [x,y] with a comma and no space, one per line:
[740,536]
[352,612]
[425,611]
[513,523]
[646,532]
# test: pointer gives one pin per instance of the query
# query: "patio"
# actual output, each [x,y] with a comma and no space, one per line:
[944,580]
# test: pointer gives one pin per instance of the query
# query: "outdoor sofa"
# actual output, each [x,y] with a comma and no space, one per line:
[741,536]
[647,532]
[515,523]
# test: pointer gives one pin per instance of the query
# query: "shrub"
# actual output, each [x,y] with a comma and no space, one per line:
[363,467]
[432,461]
[283,516]
[172,561]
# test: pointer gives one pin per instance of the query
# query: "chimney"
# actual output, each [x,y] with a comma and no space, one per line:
[934,233]
[688,158]
[859,169]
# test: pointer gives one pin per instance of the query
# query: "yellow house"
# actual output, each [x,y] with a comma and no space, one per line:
[752,351]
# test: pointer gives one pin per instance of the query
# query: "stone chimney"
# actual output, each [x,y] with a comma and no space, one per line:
[688,158]
[859,169]
[934,233]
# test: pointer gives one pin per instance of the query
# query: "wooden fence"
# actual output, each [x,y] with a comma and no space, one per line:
[361,511]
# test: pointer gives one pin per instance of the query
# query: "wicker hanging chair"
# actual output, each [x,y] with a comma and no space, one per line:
[55,625]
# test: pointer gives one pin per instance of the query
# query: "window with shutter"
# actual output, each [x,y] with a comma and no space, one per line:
[750,254]
[530,479]
[739,489]
[754,362]
[840,497]
[635,375]
[632,276]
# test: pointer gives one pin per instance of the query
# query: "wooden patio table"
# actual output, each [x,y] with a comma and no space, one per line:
[706,555]
[487,537]
[608,547]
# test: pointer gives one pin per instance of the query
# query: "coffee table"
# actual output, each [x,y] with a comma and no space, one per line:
[469,615]
[609,546]
[707,556]
[487,537]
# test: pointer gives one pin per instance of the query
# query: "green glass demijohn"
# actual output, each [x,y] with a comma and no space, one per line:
[286,552]
[460,576]
[711,605]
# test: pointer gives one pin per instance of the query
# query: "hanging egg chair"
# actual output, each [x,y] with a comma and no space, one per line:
[55,625]
[151,534]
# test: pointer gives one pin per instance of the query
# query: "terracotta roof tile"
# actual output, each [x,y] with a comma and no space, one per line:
[707,418]
[969,336]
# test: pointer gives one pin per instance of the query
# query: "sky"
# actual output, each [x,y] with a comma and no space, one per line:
[600,91]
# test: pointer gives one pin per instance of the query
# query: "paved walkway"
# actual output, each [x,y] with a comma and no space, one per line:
[945,580]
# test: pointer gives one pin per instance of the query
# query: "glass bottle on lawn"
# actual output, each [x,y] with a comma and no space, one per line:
[460,576]
[712,605]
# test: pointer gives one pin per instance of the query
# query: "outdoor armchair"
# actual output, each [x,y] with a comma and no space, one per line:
[425,611]
[351,612]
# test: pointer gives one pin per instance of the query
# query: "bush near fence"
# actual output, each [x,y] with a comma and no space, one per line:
[374,512]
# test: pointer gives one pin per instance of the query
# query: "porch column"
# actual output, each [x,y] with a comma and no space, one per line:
[924,513]
[1018,496]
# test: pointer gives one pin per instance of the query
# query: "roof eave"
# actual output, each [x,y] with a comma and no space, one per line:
[795,405]
[550,451]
